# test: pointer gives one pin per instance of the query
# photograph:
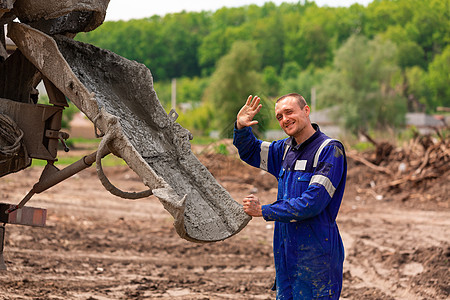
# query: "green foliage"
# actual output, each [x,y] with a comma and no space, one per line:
[439,79]
[188,90]
[290,70]
[199,120]
[362,146]
[430,89]
[408,134]
[202,140]
[363,84]
[271,81]
[409,52]
[164,92]
[221,149]
[417,88]
[191,89]
[107,161]
[235,76]
[167,45]
[269,39]
[303,83]
[68,114]
[297,44]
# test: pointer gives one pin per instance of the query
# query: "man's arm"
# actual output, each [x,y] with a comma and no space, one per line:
[327,177]
[251,206]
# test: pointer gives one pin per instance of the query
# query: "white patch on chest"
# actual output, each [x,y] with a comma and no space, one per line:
[300,165]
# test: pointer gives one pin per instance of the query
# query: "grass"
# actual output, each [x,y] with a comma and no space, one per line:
[363,146]
[65,159]
[79,140]
[108,161]
[202,140]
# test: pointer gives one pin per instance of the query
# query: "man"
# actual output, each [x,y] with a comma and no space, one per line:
[311,171]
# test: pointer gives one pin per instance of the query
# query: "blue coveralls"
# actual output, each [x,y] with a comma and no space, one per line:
[308,249]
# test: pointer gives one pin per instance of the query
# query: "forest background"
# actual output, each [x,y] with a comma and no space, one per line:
[372,63]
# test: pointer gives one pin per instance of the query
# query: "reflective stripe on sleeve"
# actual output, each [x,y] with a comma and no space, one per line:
[325,182]
[316,157]
[264,155]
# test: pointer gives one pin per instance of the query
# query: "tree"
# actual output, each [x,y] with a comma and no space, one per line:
[438,79]
[364,85]
[430,26]
[227,26]
[180,36]
[418,91]
[271,81]
[190,44]
[269,36]
[311,41]
[303,82]
[409,52]
[235,77]
[290,70]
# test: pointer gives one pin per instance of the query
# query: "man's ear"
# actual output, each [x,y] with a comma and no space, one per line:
[307,110]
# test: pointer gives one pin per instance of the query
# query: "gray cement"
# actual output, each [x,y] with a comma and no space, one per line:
[118,96]
[31,11]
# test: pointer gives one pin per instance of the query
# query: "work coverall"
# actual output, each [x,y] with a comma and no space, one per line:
[308,249]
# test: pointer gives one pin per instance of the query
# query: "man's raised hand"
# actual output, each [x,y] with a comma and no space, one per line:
[248,112]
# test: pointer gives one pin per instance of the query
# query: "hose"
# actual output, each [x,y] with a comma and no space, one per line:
[10,138]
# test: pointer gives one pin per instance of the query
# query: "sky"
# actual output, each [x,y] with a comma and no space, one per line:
[138,9]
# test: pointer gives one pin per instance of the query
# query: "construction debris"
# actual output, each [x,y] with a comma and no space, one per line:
[418,162]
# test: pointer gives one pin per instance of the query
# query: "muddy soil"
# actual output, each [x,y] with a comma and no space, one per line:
[98,246]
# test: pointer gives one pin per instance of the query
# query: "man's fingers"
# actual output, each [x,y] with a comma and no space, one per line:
[255,102]
[249,100]
[249,197]
[258,108]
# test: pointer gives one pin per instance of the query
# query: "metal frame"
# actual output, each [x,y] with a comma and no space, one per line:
[29,216]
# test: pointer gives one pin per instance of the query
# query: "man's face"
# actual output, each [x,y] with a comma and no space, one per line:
[291,117]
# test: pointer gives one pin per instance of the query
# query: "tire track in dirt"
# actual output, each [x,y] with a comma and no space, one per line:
[380,245]
[97,246]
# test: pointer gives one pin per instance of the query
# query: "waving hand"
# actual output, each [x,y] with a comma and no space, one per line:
[248,112]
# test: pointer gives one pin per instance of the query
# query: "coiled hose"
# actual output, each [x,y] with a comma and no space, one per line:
[10,138]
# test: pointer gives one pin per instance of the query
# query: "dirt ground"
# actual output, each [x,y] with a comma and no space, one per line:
[98,246]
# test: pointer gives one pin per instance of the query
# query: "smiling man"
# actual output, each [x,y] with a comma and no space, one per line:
[311,170]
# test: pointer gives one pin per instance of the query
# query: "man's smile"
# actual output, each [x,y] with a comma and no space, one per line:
[289,124]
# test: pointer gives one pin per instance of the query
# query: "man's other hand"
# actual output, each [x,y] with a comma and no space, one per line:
[252,206]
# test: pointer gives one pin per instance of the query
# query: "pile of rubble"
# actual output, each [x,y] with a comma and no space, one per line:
[419,170]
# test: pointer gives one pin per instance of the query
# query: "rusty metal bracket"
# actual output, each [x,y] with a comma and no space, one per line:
[34,121]
[51,176]
[59,135]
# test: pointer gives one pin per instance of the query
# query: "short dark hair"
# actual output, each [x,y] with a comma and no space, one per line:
[301,101]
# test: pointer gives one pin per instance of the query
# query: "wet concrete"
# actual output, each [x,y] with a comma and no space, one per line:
[118,96]
[124,89]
